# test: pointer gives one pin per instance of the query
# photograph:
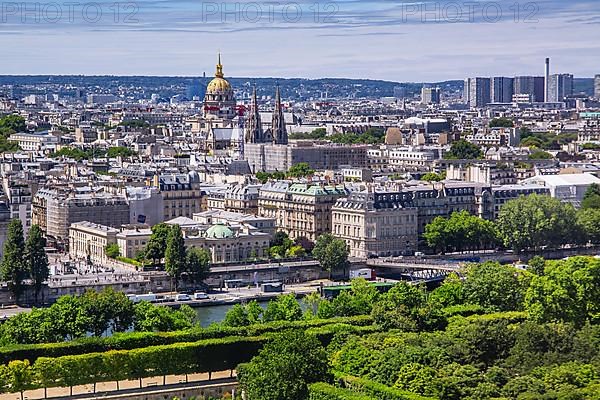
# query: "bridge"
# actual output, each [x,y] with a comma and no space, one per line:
[415,269]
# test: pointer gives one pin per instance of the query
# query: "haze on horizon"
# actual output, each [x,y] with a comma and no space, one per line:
[424,41]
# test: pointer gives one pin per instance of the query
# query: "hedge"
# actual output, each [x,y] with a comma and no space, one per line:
[376,389]
[513,317]
[133,340]
[209,355]
[324,391]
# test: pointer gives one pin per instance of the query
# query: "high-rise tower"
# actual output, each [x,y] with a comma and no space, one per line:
[547,81]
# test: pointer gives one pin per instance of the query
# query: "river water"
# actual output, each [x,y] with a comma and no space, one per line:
[210,314]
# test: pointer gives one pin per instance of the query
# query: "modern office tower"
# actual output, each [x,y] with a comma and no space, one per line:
[431,95]
[502,89]
[546,80]
[597,87]
[530,85]
[477,92]
[559,87]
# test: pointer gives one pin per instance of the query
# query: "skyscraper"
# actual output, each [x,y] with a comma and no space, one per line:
[431,95]
[546,80]
[559,87]
[597,87]
[530,85]
[477,92]
[502,89]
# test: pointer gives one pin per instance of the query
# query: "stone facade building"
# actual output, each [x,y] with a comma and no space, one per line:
[376,223]
[302,210]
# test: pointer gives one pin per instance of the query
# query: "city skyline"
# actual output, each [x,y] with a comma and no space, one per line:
[182,39]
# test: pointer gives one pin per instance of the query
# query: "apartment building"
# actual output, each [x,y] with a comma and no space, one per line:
[376,223]
[302,210]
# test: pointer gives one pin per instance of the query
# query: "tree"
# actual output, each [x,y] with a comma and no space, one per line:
[332,253]
[119,151]
[300,170]
[433,177]
[14,266]
[589,220]
[12,124]
[493,286]
[535,221]
[20,375]
[36,258]
[568,291]
[112,250]
[285,367]
[197,265]
[175,255]
[157,244]
[591,198]
[463,150]
[462,231]
[538,154]
[502,122]
[284,308]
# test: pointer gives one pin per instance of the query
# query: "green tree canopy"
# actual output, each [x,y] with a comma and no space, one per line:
[501,122]
[112,250]
[36,258]
[332,253]
[463,150]
[285,367]
[462,231]
[157,244]
[300,170]
[175,255]
[14,264]
[493,286]
[535,221]
[591,198]
[197,265]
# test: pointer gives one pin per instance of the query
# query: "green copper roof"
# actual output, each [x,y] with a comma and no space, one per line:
[219,232]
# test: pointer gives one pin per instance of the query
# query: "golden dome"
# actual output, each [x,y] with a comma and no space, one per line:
[219,84]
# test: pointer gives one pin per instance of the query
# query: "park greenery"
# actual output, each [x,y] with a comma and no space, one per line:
[10,124]
[299,170]
[373,135]
[187,264]
[463,150]
[545,140]
[494,332]
[501,122]
[528,223]
[434,177]
[316,134]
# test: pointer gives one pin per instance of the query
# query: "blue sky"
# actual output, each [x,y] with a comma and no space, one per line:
[392,40]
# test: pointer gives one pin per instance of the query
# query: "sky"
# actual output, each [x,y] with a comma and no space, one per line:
[403,41]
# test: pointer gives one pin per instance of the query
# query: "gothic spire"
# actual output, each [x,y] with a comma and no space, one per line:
[278,128]
[254,132]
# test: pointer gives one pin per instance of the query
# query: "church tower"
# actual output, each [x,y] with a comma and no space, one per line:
[254,131]
[278,129]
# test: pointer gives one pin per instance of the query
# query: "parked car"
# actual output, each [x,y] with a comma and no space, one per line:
[200,296]
[183,297]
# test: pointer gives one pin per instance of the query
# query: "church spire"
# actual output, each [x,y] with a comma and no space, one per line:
[219,73]
[278,127]
[254,131]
